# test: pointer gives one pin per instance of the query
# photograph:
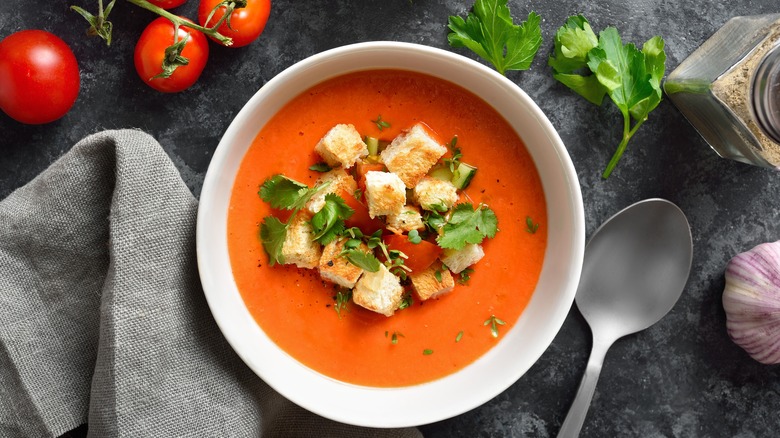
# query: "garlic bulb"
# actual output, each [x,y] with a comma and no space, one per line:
[751,300]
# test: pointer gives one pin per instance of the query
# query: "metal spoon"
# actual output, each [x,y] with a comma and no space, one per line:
[635,268]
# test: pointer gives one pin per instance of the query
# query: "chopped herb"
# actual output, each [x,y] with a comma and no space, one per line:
[363,260]
[494,323]
[320,167]
[530,226]
[465,275]
[434,221]
[342,298]
[381,124]
[328,223]
[394,337]
[427,352]
[468,225]
[414,236]
[357,194]
[490,32]
[459,337]
[453,162]
[406,301]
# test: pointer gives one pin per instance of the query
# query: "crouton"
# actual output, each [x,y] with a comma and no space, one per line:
[299,247]
[428,286]
[412,154]
[407,220]
[336,268]
[339,180]
[385,193]
[458,260]
[379,291]
[341,146]
[435,194]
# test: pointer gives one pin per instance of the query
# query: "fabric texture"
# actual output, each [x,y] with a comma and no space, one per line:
[102,317]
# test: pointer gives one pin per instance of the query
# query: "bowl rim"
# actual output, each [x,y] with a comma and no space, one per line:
[410,405]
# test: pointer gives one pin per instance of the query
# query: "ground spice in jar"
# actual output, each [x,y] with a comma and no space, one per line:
[734,89]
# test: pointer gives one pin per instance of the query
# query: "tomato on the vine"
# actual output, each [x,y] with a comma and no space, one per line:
[246,24]
[150,53]
[167,4]
[39,77]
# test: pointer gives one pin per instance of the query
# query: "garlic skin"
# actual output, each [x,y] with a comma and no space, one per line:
[751,300]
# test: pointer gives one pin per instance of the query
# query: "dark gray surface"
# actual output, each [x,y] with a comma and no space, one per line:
[682,377]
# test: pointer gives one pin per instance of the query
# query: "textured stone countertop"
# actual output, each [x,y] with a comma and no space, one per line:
[683,377]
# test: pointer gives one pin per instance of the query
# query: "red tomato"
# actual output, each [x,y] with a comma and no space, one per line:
[421,255]
[39,77]
[150,51]
[360,217]
[167,4]
[247,23]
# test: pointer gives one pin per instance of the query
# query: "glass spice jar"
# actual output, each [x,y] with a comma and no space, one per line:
[729,90]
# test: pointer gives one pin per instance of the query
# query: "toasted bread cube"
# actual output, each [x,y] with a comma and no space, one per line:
[341,146]
[299,247]
[385,193]
[407,220]
[458,260]
[426,284]
[338,269]
[412,154]
[379,291]
[435,194]
[339,180]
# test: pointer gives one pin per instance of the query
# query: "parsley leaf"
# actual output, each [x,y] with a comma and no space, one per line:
[490,32]
[363,260]
[467,225]
[273,233]
[328,223]
[594,67]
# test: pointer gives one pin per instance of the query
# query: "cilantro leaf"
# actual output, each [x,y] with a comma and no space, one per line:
[631,77]
[273,232]
[468,225]
[490,32]
[282,192]
[364,260]
[320,167]
[328,223]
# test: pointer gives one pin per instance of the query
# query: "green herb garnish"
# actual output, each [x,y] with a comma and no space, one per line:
[593,67]
[414,237]
[381,124]
[468,225]
[494,323]
[342,298]
[406,301]
[459,337]
[427,352]
[453,161]
[465,276]
[394,337]
[320,167]
[282,193]
[328,223]
[363,260]
[530,225]
[490,32]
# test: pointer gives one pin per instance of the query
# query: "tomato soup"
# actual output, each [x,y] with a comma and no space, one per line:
[433,338]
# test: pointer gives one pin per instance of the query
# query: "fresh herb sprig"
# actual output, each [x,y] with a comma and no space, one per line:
[328,222]
[494,322]
[284,193]
[468,225]
[490,32]
[597,66]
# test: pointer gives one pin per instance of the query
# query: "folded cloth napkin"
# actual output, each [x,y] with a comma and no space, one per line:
[102,317]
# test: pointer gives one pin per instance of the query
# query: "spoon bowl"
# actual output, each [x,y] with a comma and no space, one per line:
[634,271]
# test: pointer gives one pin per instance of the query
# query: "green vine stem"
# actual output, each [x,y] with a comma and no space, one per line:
[178,21]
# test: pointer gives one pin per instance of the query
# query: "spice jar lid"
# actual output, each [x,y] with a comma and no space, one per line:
[766,93]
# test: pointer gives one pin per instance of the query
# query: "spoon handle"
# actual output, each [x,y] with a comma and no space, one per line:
[579,408]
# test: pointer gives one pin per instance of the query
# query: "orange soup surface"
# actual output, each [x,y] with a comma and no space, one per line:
[433,338]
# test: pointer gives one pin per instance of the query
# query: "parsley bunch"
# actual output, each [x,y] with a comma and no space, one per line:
[597,66]
[490,32]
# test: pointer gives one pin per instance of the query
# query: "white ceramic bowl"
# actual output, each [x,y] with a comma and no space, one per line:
[491,374]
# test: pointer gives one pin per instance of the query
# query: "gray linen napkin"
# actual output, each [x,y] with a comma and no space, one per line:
[102,317]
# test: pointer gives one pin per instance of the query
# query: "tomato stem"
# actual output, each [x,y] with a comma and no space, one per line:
[178,21]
